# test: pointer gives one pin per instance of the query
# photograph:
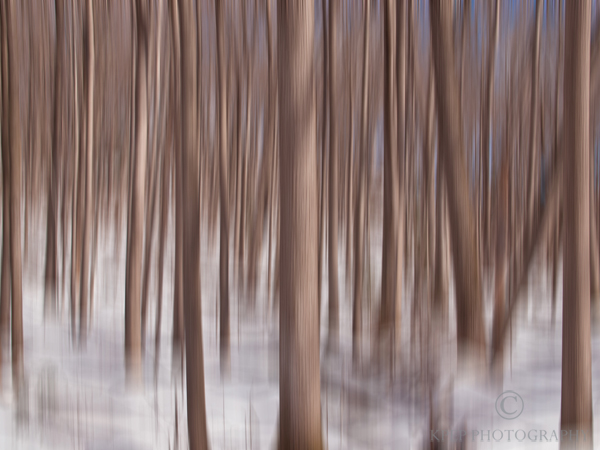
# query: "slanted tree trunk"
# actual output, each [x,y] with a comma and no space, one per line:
[469,307]
[333,317]
[576,391]
[135,238]
[154,176]
[15,193]
[196,408]
[224,347]
[300,383]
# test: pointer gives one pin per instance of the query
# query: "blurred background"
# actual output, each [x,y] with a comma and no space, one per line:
[270,224]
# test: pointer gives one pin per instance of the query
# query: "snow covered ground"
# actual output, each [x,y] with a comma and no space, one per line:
[77,399]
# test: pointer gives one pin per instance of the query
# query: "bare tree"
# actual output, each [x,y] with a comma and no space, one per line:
[197,428]
[469,308]
[224,198]
[576,392]
[299,386]
[135,238]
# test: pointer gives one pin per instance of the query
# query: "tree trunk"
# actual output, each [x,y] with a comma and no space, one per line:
[391,187]
[197,428]
[469,307]
[576,392]
[224,346]
[50,276]
[486,148]
[15,194]
[178,326]
[88,218]
[359,210]
[334,319]
[300,383]
[6,275]
[135,239]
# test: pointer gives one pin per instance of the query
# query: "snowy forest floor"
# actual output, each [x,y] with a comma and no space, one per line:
[78,398]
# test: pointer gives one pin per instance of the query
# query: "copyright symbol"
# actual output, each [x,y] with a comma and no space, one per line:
[509,405]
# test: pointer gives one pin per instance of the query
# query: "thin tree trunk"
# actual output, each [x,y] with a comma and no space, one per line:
[50,276]
[178,325]
[334,319]
[323,156]
[224,347]
[576,391]
[6,275]
[15,195]
[135,239]
[196,408]
[533,151]
[359,211]
[487,146]
[88,218]
[391,188]
[300,384]
[153,185]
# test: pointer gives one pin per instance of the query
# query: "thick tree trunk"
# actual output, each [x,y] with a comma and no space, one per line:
[469,307]
[224,347]
[135,239]
[300,383]
[576,392]
[197,428]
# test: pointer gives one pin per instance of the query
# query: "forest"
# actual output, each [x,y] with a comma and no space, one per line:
[294,224]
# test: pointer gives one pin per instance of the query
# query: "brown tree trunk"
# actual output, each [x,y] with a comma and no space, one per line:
[501,270]
[15,194]
[88,218]
[178,325]
[391,187]
[333,316]
[323,157]
[576,391]
[359,210]
[533,151]
[6,275]
[469,307]
[50,276]
[299,388]
[197,428]
[153,184]
[135,238]
[224,347]
[487,125]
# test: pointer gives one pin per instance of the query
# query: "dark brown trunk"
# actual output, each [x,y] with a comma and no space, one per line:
[576,391]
